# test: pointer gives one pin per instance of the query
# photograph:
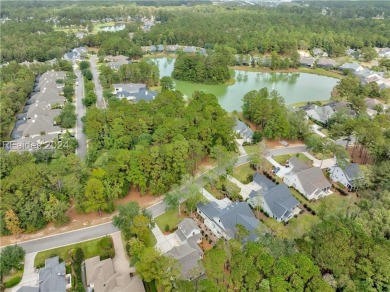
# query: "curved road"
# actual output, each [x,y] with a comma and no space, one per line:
[107,228]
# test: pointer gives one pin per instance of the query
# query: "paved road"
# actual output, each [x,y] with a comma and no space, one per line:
[81,234]
[107,228]
[100,102]
[287,150]
[80,111]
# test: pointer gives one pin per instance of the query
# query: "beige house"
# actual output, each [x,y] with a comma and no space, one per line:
[101,277]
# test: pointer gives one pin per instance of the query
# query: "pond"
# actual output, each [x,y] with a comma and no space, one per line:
[294,87]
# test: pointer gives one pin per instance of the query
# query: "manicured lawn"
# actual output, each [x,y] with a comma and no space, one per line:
[216,193]
[90,249]
[153,240]
[281,159]
[13,279]
[295,228]
[250,148]
[242,172]
[170,218]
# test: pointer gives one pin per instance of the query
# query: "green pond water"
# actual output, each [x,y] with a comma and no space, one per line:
[294,87]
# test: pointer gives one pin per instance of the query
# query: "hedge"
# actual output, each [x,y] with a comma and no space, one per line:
[13,282]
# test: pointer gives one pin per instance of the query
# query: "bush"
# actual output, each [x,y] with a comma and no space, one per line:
[166,228]
[105,243]
[309,209]
[210,241]
[12,282]
[105,254]
[313,212]
[257,137]
[295,216]
[305,205]
[249,179]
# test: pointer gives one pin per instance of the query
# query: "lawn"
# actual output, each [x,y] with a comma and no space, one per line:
[170,218]
[242,172]
[13,279]
[281,159]
[90,248]
[250,148]
[215,192]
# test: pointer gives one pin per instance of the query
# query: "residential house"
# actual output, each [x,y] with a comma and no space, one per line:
[354,67]
[113,28]
[115,62]
[75,54]
[320,114]
[349,176]
[276,200]
[172,48]
[38,117]
[133,92]
[102,277]
[326,63]
[202,51]
[383,52]
[308,180]
[373,106]
[223,216]
[189,49]
[160,48]
[243,130]
[244,60]
[307,62]
[318,52]
[52,277]
[350,52]
[188,253]
[80,34]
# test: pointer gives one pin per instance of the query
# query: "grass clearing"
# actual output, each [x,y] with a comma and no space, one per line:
[250,148]
[281,159]
[90,248]
[242,172]
[170,218]
[214,191]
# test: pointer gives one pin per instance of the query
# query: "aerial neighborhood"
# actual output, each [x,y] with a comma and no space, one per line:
[195,146]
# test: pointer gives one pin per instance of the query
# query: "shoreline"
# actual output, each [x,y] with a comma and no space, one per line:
[315,71]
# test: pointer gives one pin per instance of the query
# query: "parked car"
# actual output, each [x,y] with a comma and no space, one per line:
[276,170]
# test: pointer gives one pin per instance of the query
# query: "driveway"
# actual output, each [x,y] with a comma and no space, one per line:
[316,129]
[164,242]
[120,261]
[245,189]
[283,170]
[30,277]
[326,163]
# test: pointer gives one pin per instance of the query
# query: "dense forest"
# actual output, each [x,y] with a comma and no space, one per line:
[212,69]
[158,142]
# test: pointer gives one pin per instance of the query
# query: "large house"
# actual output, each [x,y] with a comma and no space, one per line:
[75,54]
[308,180]
[223,216]
[354,67]
[276,200]
[52,277]
[115,62]
[348,176]
[243,130]
[320,114]
[307,62]
[326,63]
[188,253]
[133,92]
[38,118]
[102,277]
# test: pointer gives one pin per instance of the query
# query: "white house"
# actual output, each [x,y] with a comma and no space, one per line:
[243,130]
[309,181]
[348,176]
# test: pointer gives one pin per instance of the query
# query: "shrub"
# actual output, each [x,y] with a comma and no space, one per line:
[110,253]
[313,212]
[210,241]
[166,228]
[105,243]
[305,205]
[308,209]
[295,216]
[12,282]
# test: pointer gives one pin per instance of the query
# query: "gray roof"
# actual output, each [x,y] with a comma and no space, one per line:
[307,61]
[297,165]
[52,276]
[187,225]
[188,258]
[350,66]
[336,105]
[325,62]
[264,182]
[129,87]
[190,49]
[243,129]
[320,113]
[313,179]
[142,94]
[230,216]
[71,55]
[352,171]
[280,200]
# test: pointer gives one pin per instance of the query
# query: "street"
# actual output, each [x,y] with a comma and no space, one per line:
[100,102]
[80,112]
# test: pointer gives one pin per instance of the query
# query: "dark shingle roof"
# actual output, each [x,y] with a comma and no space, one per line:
[52,276]
[264,182]
[352,171]
[280,200]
